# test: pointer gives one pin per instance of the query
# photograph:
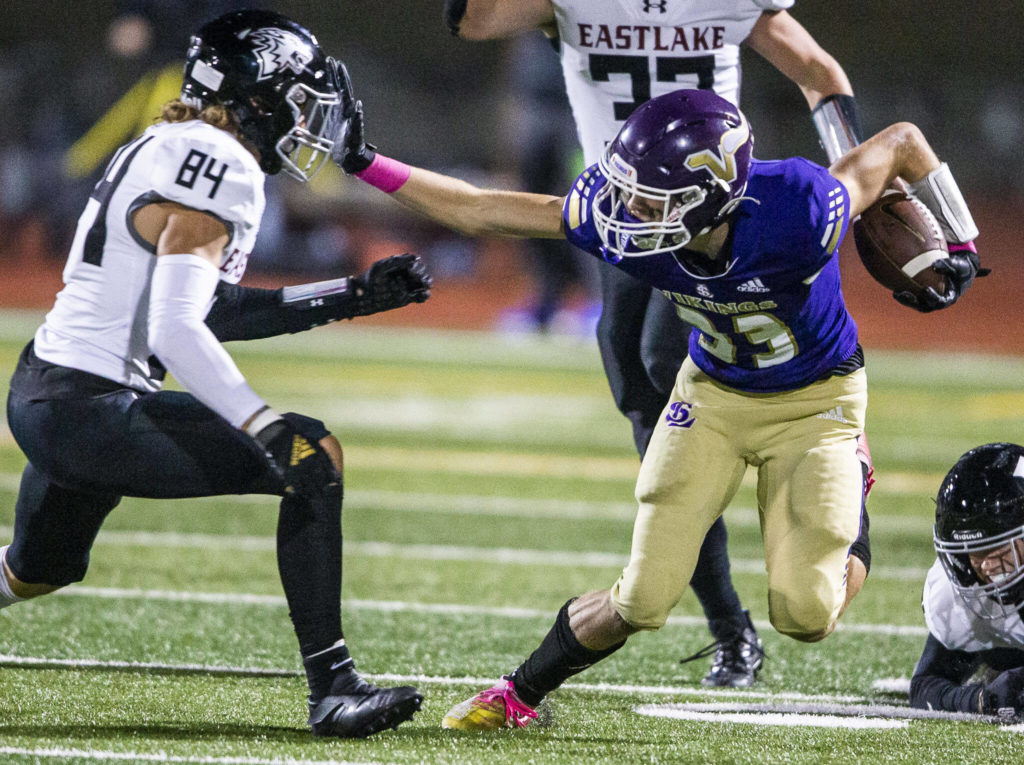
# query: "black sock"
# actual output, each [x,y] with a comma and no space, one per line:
[711,581]
[559,657]
[329,672]
[309,562]
[861,548]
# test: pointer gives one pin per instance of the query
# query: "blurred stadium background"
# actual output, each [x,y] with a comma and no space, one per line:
[77,79]
[485,480]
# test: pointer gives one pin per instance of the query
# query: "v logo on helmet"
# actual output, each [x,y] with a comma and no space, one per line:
[722,165]
[277,49]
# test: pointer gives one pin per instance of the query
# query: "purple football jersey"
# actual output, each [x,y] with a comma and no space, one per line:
[776,319]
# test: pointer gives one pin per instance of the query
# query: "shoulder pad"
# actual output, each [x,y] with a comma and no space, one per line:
[205,168]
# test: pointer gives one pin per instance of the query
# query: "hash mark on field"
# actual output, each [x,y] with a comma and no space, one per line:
[396,606]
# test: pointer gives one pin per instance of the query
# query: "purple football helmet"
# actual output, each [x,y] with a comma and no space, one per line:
[686,155]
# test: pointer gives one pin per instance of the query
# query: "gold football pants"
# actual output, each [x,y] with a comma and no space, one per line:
[803,444]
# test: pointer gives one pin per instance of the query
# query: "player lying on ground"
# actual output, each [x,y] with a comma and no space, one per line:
[167,230]
[748,253]
[975,590]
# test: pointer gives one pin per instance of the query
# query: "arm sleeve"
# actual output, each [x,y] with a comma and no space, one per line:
[180,294]
[250,313]
[939,676]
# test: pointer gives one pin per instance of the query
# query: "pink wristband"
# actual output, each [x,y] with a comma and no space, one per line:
[960,247]
[386,174]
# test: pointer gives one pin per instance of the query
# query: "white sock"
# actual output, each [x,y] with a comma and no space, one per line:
[7,598]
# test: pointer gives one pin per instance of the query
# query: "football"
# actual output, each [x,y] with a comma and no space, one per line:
[899,241]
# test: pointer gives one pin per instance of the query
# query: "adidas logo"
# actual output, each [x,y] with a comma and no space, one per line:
[835,413]
[752,285]
[301,448]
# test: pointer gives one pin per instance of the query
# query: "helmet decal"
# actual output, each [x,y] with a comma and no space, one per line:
[277,82]
[622,166]
[722,164]
[277,50]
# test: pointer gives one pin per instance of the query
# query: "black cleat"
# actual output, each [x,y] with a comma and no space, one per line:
[738,658]
[362,710]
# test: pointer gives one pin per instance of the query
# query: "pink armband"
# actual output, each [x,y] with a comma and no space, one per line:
[386,174]
[960,247]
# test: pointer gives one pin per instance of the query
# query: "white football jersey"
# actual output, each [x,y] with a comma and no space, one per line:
[616,54]
[99,323]
[957,627]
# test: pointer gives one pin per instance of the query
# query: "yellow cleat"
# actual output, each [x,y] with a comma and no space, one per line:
[497,707]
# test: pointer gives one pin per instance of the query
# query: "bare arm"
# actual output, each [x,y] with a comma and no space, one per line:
[481,212]
[900,150]
[175,229]
[784,42]
[490,19]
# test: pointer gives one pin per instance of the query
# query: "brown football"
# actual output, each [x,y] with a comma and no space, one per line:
[899,241]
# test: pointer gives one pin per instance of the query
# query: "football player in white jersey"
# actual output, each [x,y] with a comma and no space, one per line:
[166,230]
[617,54]
[973,659]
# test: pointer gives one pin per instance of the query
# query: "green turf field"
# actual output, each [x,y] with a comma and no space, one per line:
[487,480]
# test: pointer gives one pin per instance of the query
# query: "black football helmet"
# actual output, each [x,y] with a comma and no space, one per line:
[980,507]
[271,73]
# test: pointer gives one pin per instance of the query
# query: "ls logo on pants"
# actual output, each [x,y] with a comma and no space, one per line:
[679,415]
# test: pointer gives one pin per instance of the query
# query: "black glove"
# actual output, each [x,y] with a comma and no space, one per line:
[350,151]
[1004,696]
[303,465]
[960,268]
[389,283]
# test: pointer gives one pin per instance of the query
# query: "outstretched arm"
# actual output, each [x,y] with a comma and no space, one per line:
[449,201]
[251,313]
[490,19]
[474,212]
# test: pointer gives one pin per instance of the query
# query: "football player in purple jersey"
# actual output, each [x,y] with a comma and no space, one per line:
[614,56]
[973,659]
[166,233]
[747,253]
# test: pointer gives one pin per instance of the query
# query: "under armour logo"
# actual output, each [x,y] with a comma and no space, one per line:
[704,291]
[679,415]
[660,5]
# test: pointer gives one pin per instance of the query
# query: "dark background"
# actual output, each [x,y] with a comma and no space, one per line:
[954,68]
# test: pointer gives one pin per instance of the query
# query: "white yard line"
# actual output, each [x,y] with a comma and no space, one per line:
[500,555]
[423,608]
[36,662]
